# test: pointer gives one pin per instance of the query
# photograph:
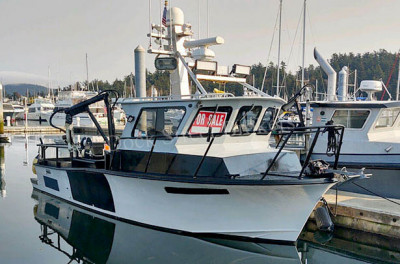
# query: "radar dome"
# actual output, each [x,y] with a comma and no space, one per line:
[178,19]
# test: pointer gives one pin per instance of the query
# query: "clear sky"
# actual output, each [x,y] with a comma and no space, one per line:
[36,34]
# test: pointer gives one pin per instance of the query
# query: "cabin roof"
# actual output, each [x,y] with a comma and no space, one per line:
[164,100]
[356,104]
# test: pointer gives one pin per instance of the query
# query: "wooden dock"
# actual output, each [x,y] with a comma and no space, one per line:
[31,130]
[52,130]
[365,213]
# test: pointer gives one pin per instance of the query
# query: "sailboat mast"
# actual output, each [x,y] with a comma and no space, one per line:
[304,43]
[87,72]
[279,48]
[48,84]
[398,80]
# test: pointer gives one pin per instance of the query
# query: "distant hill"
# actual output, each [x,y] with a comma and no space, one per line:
[23,87]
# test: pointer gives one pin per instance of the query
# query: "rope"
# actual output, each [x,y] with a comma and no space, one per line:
[374,193]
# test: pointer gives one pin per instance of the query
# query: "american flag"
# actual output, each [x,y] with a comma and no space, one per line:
[164,17]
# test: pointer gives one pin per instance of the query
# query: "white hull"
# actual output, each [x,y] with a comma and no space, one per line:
[37,116]
[271,212]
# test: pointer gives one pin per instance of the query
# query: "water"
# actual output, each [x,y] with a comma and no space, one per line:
[37,228]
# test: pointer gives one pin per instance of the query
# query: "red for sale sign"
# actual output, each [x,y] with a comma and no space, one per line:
[207,119]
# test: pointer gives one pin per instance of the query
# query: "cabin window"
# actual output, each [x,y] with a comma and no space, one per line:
[246,119]
[210,119]
[161,121]
[267,121]
[46,108]
[387,117]
[7,107]
[350,118]
[31,110]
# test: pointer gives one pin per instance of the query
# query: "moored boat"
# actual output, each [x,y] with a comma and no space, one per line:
[192,163]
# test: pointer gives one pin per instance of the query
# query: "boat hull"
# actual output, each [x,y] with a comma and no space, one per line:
[268,212]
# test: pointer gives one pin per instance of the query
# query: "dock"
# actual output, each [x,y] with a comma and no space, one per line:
[30,130]
[364,213]
[366,227]
[52,130]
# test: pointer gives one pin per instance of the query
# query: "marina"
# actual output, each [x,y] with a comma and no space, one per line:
[205,159]
[28,211]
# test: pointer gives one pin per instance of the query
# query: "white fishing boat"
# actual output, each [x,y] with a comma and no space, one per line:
[372,137]
[40,109]
[193,163]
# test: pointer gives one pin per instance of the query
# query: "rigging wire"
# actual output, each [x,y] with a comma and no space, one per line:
[293,43]
[374,193]
[269,52]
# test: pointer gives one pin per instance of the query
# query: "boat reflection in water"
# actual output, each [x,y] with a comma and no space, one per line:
[94,238]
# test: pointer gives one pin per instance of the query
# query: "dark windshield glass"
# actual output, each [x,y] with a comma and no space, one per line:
[246,119]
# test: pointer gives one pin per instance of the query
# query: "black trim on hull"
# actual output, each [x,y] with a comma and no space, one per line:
[196,191]
[92,189]
[200,180]
[175,231]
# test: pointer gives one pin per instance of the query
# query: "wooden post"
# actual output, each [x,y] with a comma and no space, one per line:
[2,172]
[3,138]
[1,111]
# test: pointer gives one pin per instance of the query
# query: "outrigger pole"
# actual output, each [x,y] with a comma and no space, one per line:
[84,107]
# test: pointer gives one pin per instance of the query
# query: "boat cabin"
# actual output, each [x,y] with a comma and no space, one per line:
[231,134]
[375,122]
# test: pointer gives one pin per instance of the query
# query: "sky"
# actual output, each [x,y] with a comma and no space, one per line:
[56,34]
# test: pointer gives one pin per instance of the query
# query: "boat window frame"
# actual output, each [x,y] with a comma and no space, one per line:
[154,136]
[228,117]
[353,109]
[276,110]
[234,134]
[394,122]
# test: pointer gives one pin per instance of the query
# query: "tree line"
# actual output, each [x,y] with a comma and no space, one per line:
[375,65]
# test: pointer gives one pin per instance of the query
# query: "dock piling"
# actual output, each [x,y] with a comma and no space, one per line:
[3,138]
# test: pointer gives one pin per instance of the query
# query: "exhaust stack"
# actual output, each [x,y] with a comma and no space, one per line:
[327,68]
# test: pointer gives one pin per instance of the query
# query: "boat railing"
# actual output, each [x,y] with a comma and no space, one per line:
[178,97]
[283,137]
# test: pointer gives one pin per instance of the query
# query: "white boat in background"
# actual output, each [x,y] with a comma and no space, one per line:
[19,112]
[372,137]
[40,109]
[72,97]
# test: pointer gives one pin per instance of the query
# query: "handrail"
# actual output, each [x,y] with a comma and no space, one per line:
[286,133]
[176,97]
[297,130]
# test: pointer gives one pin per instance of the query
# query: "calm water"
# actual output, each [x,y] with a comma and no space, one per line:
[36,228]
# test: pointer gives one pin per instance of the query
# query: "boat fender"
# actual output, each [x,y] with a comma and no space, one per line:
[35,160]
[323,219]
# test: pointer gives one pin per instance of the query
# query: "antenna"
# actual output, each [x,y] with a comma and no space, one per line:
[150,27]
[198,8]
[398,80]
[304,44]
[279,48]
[208,18]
